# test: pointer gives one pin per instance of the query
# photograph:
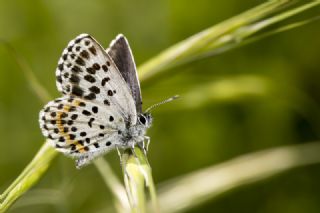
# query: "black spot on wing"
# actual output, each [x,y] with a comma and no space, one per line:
[90,122]
[76,90]
[96,66]
[74,79]
[84,54]
[104,81]
[59,79]
[74,116]
[60,106]
[72,136]
[90,96]
[94,89]
[105,68]
[70,48]
[82,104]
[80,61]
[106,102]
[93,50]
[60,67]
[86,112]
[76,69]
[91,70]
[89,78]
[110,93]
[95,109]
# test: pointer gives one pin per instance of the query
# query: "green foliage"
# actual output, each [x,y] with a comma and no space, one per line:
[265,98]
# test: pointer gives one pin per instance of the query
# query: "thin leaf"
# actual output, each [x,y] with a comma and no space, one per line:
[33,82]
[29,176]
[138,179]
[113,183]
[210,183]
[219,38]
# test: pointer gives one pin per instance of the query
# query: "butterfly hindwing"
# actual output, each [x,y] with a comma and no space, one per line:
[86,71]
[121,54]
[76,127]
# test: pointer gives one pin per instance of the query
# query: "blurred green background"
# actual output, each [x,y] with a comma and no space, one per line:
[183,138]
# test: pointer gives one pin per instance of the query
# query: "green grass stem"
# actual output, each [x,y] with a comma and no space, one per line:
[138,180]
[28,177]
[185,192]
[137,173]
[224,36]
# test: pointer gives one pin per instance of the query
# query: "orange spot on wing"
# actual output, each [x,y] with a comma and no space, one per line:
[60,126]
[80,148]
[76,102]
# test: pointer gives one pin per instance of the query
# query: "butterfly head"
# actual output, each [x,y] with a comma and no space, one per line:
[145,119]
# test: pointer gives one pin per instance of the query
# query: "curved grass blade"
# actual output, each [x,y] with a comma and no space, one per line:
[138,179]
[222,37]
[30,175]
[210,183]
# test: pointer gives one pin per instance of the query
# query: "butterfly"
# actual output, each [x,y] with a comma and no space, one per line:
[101,106]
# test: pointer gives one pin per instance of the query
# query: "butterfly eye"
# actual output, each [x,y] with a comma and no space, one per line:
[142,119]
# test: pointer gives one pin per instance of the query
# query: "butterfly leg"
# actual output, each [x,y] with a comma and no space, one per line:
[147,142]
[82,161]
[119,154]
[132,150]
[143,146]
[86,159]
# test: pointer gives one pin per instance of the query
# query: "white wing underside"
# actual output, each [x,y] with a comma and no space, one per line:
[96,106]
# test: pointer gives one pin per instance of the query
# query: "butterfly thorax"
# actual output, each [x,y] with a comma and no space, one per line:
[136,133]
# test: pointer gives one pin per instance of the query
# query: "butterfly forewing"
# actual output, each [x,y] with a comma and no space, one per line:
[120,52]
[85,70]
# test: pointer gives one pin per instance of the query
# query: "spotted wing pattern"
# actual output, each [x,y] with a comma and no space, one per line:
[97,104]
[85,70]
[75,126]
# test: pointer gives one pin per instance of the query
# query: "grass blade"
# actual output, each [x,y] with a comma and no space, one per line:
[221,37]
[209,183]
[138,179]
[28,177]
[33,82]
[113,183]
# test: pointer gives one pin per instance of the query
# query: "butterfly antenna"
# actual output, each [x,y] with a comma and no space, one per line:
[162,102]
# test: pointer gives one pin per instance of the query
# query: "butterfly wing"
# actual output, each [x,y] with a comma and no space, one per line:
[86,71]
[120,52]
[97,103]
[77,127]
